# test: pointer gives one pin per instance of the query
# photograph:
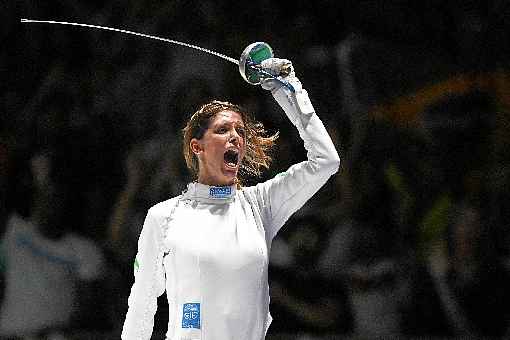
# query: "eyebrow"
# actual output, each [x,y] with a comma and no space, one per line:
[223,123]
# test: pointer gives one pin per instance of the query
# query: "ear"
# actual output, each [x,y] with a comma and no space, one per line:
[196,146]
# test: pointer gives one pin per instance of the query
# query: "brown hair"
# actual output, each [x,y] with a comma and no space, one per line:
[258,143]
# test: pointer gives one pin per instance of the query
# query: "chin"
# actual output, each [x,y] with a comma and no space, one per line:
[230,179]
[229,175]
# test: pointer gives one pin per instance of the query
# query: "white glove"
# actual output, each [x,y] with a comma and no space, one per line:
[295,102]
[277,66]
[283,71]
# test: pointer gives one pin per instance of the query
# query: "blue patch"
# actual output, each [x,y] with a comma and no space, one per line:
[220,192]
[27,242]
[191,315]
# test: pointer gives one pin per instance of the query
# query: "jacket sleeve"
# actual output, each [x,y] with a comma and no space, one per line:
[149,282]
[284,194]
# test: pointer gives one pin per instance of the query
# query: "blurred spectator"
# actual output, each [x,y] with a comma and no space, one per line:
[52,274]
[476,276]
[375,299]
[303,301]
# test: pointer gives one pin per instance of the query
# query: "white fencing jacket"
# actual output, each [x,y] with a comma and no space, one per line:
[209,247]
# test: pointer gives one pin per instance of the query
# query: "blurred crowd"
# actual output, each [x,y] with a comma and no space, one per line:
[409,240]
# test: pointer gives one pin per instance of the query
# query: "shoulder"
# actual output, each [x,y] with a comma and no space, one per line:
[16,220]
[88,254]
[249,193]
[18,224]
[163,209]
[82,243]
[158,216]
[260,191]
[254,196]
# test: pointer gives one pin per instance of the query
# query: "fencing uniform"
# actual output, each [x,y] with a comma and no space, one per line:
[209,247]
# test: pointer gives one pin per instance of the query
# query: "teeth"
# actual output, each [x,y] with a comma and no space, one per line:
[231,157]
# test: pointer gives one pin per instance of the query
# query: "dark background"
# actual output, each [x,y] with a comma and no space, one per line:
[409,239]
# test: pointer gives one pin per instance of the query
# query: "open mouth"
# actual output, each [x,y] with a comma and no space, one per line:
[231,158]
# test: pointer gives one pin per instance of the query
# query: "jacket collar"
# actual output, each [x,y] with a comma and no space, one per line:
[209,194]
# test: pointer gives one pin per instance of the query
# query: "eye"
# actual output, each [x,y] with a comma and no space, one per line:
[241,131]
[221,130]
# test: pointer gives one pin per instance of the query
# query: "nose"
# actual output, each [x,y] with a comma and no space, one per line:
[234,137]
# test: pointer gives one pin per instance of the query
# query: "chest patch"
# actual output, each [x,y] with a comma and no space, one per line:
[191,315]
[220,192]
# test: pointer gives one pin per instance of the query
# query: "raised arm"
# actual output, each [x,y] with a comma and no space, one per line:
[284,194]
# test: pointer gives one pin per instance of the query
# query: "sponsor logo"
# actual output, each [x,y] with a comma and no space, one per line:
[191,315]
[220,192]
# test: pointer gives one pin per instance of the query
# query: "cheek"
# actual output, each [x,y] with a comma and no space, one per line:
[215,147]
[243,147]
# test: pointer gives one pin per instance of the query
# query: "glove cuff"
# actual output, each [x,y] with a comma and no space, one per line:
[297,105]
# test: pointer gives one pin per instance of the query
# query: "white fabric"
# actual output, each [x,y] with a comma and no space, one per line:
[214,251]
[40,277]
[276,66]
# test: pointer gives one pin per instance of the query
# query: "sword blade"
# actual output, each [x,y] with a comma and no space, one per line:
[222,56]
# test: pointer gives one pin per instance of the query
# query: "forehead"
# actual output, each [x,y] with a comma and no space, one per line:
[227,116]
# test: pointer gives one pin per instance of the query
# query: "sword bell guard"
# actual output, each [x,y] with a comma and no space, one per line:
[249,63]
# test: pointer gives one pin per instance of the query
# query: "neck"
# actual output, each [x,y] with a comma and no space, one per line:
[212,183]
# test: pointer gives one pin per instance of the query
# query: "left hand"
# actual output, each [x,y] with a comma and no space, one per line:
[282,70]
[278,67]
